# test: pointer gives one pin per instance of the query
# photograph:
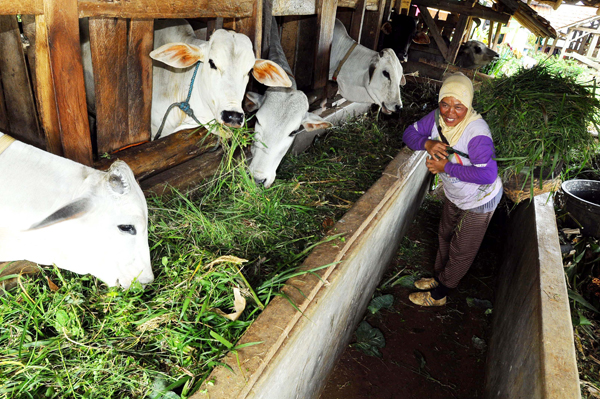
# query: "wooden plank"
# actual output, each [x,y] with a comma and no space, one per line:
[156,156]
[4,124]
[372,27]
[45,95]
[252,27]
[14,7]
[67,75]
[289,40]
[457,38]
[434,31]
[184,177]
[461,7]
[325,22]
[167,9]
[497,37]
[18,94]
[139,79]
[28,24]
[592,46]
[108,39]
[358,17]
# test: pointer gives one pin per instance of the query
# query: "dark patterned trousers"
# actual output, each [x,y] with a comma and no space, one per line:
[460,235]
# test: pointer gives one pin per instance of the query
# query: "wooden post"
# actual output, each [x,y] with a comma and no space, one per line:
[67,74]
[252,27]
[497,37]
[358,17]
[45,95]
[325,23]
[372,26]
[490,32]
[457,39]
[543,47]
[551,51]
[18,95]
[567,43]
[433,29]
[592,47]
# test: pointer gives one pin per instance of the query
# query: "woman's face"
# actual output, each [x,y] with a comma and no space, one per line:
[452,110]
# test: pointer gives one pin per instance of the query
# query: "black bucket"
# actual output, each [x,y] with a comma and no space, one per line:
[582,201]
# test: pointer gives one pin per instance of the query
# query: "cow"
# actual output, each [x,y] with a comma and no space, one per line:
[474,54]
[56,211]
[364,75]
[399,32]
[224,66]
[282,113]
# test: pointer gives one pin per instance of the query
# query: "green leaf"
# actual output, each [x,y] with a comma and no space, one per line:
[370,335]
[381,302]
[578,298]
[367,349]
[222,340]
[407,281]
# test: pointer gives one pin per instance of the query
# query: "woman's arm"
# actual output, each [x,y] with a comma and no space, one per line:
[419,132]
[484,169]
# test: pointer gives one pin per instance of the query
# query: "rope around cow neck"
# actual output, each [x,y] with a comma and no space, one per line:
[184,106]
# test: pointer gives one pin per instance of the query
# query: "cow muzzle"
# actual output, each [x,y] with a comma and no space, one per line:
[232,118]
[389,110]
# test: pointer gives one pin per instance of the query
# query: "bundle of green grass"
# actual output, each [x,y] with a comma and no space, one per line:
[540,119]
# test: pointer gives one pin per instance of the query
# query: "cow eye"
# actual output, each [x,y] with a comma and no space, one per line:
[386,74]
[212,64]
[127,228]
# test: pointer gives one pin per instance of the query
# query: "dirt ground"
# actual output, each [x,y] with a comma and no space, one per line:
[429,353]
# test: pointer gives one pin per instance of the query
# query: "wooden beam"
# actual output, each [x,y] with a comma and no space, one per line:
[14,7]
[325,23]
[592,47]
[18,94]
[156,156]
[490,33]
[252,27]
[67,76]
[358,17]
[45,95]
[459,31]
[167,9]
[460,7]
[496,37]
[433,29]
[289,40]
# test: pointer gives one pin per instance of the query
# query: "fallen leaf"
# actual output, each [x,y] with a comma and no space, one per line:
[239,304]
[53,287]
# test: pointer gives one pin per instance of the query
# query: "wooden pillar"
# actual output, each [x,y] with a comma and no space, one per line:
[434,31]
[45,95]
[358,17]
[325,23]
[67,75]
[490,33]
[544,45]
[551,51]
[251,27]
[567,43]
[457,38]
[497,37]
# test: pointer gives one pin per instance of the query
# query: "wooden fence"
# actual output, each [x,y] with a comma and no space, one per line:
[42,92]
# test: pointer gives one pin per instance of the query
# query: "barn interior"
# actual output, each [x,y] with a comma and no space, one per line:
[42,103]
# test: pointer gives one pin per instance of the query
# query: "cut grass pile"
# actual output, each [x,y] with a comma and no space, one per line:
[539,117]
[64,335]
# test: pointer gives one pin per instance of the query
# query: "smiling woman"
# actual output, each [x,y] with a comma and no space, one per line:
[462,151]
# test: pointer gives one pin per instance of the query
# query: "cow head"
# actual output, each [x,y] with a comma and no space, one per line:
[227,60]
[398,34]
[281,113]
[384,80]
[104,231]
[475,54]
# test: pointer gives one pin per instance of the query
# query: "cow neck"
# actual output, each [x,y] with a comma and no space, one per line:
[5,142]
[341,64]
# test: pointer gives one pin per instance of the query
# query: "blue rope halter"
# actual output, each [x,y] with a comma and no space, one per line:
[184,106]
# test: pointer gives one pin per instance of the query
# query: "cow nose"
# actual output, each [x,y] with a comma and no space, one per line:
[398,108]
[232,118]
[404,58]
[260,182]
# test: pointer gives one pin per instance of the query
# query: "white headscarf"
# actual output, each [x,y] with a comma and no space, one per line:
[460,87]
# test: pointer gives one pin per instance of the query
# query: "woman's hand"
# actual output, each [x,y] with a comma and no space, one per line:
[436,166]
[436,149]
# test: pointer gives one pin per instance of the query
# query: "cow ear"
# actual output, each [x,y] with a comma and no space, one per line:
[253,101]
[118,178]
[270,74]
[421,38]
[179,55]
[402,80]
[386,28]
[72,210]
[314,122]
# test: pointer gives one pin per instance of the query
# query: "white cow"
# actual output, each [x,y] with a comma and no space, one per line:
[226,61]
[56,211]
[366,76]
[282,112]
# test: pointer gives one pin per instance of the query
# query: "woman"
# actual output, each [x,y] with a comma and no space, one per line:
[461,151]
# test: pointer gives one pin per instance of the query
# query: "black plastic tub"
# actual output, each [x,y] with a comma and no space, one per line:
[582,201]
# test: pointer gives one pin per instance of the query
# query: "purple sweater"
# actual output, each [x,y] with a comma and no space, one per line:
[480,150]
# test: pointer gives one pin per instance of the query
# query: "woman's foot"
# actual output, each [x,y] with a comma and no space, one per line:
[425,299]
[426,283]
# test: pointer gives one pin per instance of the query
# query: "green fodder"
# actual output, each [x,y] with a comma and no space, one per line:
[538,118]
[77,338]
